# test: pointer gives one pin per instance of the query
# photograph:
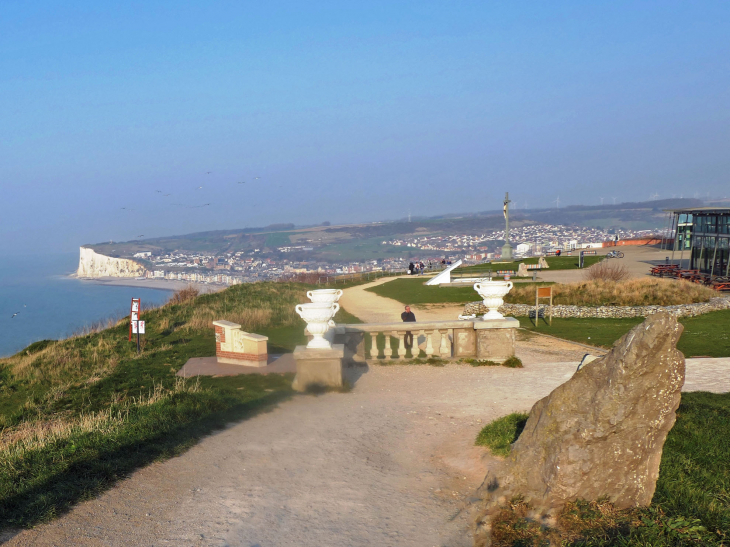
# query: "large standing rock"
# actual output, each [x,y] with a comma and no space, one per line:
[602,432]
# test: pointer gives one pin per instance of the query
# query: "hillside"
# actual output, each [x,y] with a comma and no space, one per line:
[364,241]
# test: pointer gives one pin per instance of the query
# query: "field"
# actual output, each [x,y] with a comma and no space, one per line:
[690,505]
[79,414]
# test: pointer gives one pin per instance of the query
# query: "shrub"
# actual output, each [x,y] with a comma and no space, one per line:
[513,362]
[606,271]
[648,291]
[183,295]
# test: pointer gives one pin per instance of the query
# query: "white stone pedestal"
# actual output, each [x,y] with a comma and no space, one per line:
[496,338]
[318,367]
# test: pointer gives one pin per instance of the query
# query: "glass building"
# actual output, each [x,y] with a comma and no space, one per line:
[702,239]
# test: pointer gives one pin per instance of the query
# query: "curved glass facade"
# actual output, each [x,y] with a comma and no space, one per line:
[703,237]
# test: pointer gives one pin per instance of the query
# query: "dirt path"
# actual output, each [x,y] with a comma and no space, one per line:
[391,463]
[372,308]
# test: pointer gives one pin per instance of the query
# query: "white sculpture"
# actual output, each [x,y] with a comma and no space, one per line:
[492,292]
[318,315]
[325,296]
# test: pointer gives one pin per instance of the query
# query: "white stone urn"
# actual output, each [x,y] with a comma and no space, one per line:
[318,315]
[325,296]
[493,292]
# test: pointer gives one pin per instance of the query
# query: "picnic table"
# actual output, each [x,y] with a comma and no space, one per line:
[664,269]
[685,274]
[721,283]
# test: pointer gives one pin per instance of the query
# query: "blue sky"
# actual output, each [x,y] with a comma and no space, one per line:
[348,111]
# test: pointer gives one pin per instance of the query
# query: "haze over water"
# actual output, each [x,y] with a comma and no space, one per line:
[52,305]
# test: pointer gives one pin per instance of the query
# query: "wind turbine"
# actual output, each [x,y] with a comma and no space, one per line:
[614,201]
[557,202]
[601,201]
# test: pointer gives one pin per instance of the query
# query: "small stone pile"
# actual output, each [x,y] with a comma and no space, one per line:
[680,310]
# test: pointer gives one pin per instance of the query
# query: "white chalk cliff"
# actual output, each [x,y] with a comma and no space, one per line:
[92,264]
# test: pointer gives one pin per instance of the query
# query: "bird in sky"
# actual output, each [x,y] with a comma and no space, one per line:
[166,195]
[16,313]
[241,182]
[200,187]
[158,191]
[256,178]
[141,235]
[196,206]
[208,172]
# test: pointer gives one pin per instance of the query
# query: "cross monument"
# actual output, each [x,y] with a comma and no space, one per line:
[506,248]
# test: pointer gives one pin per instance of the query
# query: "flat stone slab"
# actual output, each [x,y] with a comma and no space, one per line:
[337,351]
[504,323]
[209,366]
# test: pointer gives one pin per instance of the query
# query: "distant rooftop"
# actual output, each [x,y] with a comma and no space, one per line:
[701,210]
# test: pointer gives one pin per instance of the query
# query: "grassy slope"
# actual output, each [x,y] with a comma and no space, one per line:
[79,414]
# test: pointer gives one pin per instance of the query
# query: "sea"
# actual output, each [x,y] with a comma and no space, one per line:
[50,304]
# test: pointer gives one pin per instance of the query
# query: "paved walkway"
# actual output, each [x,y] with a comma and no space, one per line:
[638,260]
[392,463]
[371,308]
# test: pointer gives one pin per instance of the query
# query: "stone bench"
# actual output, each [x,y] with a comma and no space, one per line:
[236,347]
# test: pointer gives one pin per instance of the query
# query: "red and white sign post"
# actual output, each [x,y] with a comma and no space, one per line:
[135,325]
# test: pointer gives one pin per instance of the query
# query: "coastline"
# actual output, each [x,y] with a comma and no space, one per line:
[162,284]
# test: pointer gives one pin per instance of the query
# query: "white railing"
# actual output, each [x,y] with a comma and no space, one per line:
[387,340]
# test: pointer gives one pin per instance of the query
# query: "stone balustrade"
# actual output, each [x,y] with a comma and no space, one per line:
[490,339]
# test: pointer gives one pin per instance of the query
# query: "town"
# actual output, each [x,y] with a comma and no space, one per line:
[273,264]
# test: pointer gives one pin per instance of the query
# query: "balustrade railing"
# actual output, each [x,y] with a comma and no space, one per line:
[388,340]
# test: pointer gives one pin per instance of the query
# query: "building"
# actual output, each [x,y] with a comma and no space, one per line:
[702,239]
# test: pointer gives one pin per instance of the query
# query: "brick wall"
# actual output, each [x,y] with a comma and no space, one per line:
[241,356]
[220,338]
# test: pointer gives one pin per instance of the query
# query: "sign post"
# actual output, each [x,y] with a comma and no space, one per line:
[135,325]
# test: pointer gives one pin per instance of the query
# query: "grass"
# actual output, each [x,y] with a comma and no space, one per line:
[635,292]
[512,362]
[555,263]
[499,435]
[704,336]
[79,414]
[691,505]
[412,291]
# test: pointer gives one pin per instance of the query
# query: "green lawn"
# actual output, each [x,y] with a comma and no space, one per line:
[704,335]
[555,263]
[413,291]
[691,505]
[112,411]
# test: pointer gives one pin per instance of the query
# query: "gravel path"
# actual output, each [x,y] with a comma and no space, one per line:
[390,463]
[372,308]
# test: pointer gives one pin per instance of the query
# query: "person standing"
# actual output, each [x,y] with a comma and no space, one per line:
[408,317]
